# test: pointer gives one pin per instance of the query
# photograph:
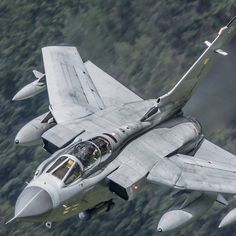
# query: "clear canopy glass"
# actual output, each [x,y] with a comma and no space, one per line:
[80,158]
[90,151]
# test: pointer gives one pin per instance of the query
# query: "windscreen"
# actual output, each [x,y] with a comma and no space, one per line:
[66,168]
[74,174]
[62,170]
[57,163]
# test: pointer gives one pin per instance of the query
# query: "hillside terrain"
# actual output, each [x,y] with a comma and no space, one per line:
[146,45]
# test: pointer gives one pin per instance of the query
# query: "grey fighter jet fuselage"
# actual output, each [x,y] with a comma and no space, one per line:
[78,196]
[107,143]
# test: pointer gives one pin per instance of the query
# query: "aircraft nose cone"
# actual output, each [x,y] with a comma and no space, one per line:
[33,201]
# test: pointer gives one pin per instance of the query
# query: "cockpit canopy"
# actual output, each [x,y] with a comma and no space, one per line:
[80,158]
[90,151]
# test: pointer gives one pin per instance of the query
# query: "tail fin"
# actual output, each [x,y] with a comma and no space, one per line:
[183,90]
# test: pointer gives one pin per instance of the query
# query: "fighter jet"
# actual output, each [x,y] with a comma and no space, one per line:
[107,143]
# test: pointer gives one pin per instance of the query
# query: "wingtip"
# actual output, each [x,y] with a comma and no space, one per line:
[9,221]
[231,21]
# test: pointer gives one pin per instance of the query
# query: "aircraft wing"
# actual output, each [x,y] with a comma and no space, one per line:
[211,169]
[111,91]
[182,91]
[72,93]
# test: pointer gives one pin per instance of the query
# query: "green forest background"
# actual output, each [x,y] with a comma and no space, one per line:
[147,45]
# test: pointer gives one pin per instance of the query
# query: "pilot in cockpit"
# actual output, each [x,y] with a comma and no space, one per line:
[88,152]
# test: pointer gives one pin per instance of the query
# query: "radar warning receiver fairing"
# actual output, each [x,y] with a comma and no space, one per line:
[107,143]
